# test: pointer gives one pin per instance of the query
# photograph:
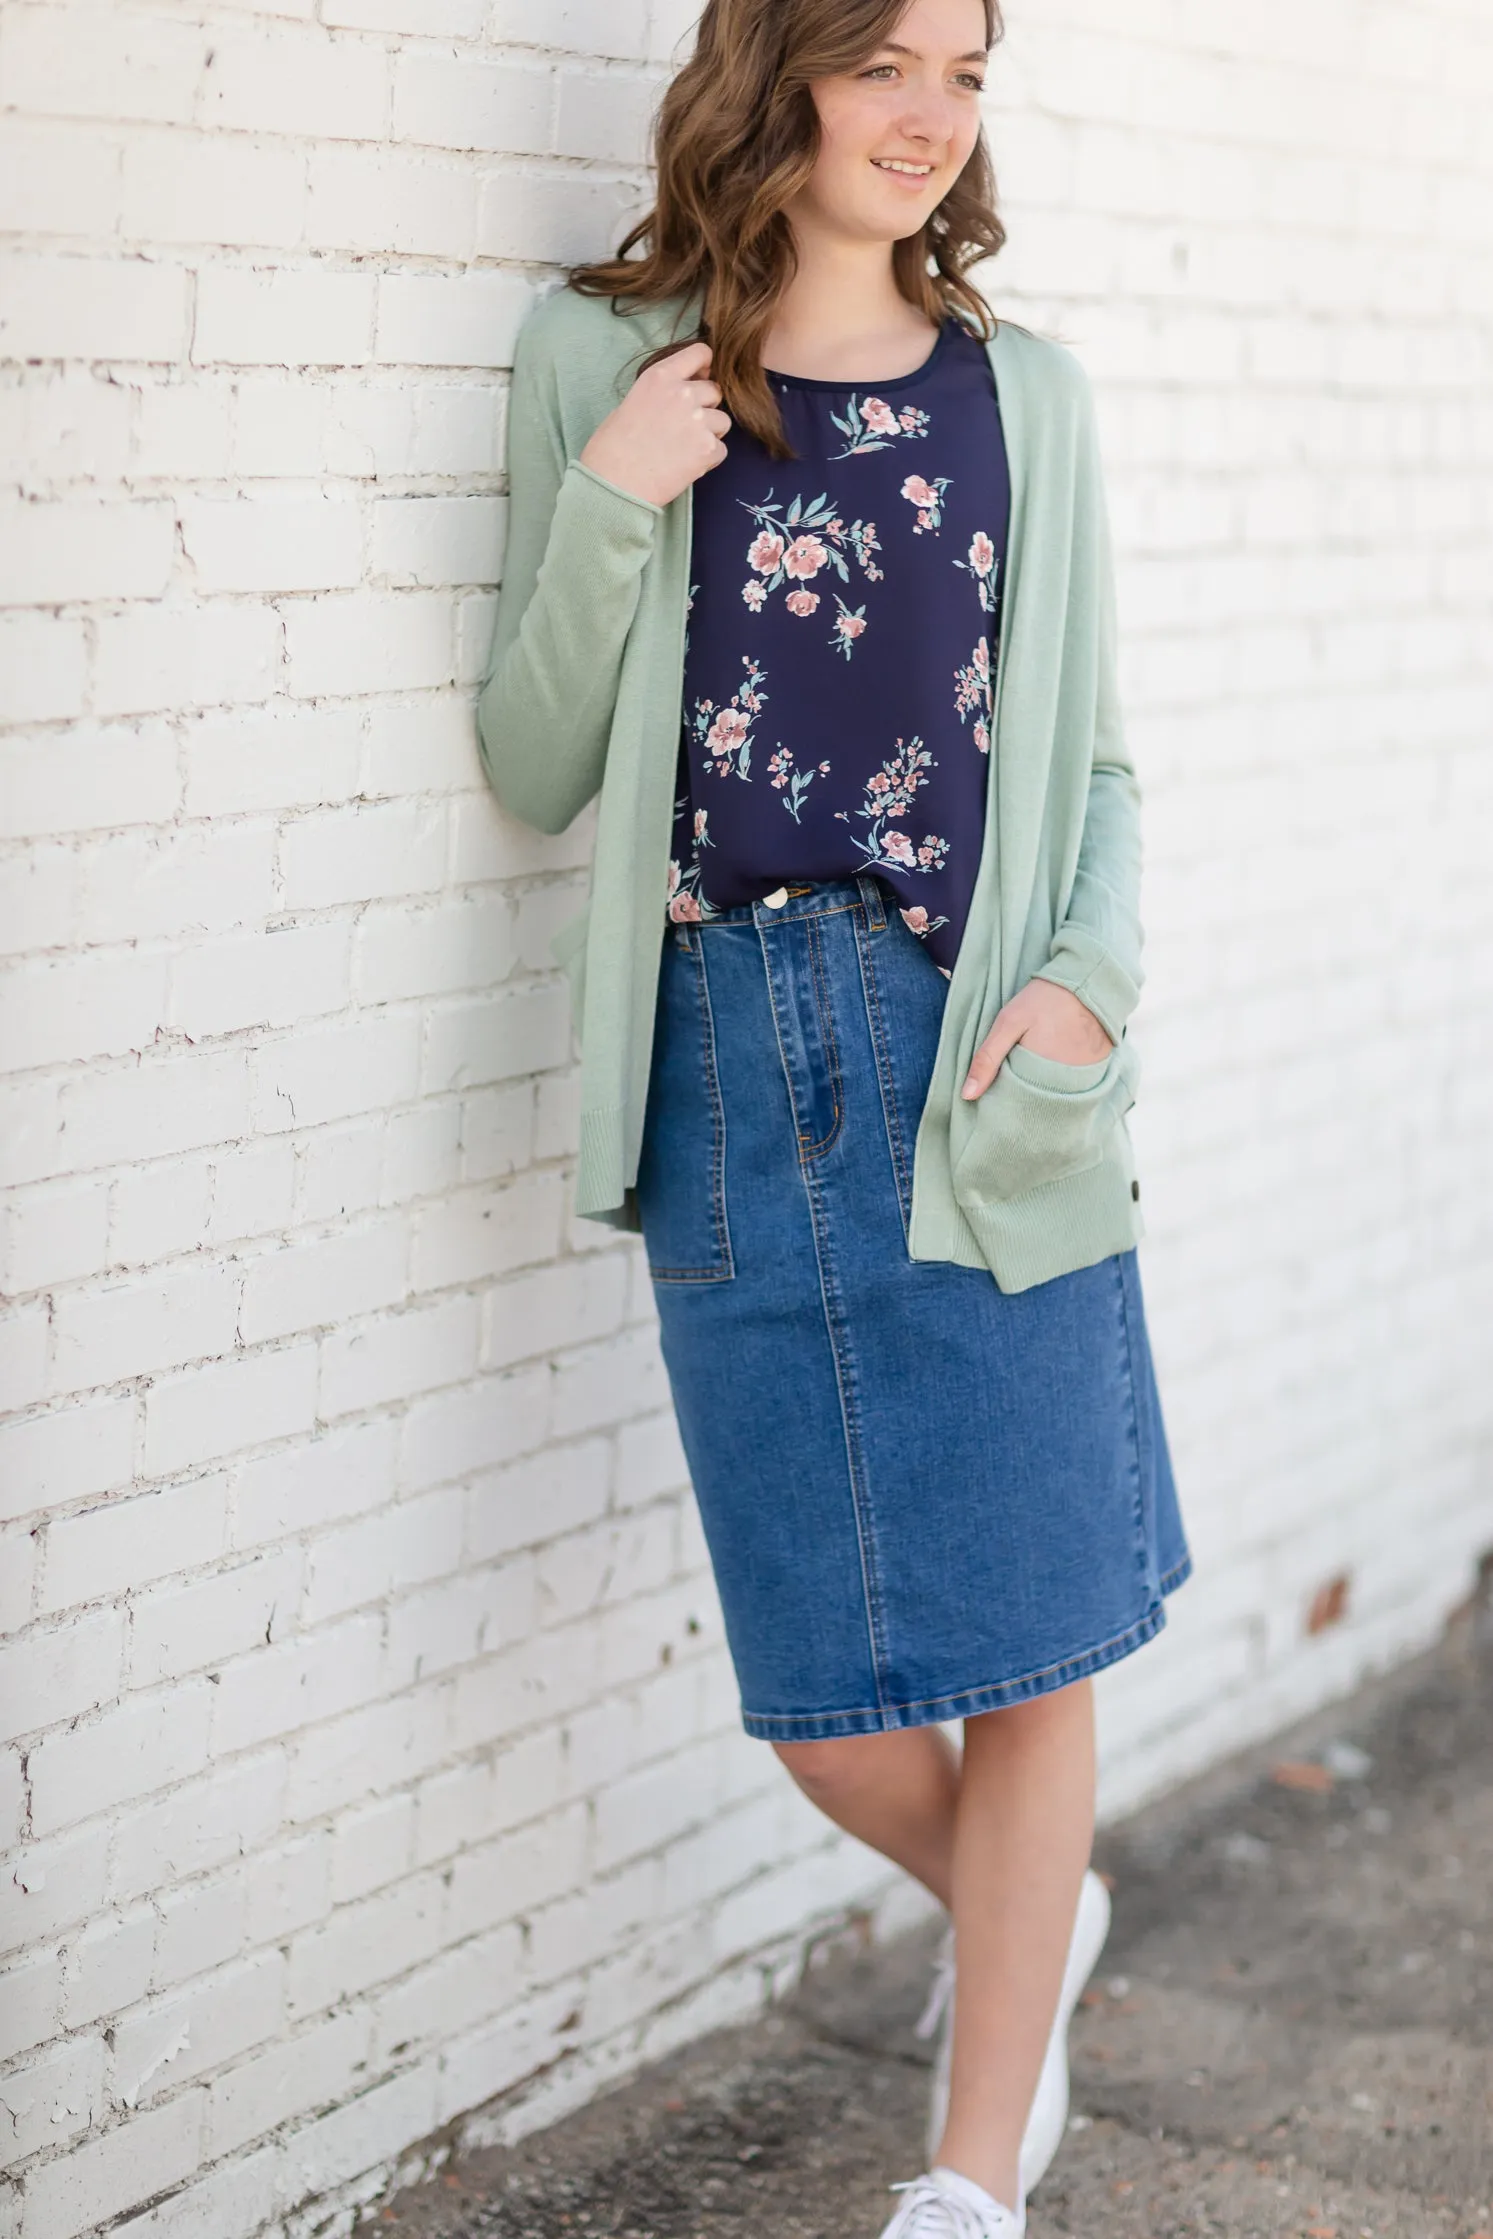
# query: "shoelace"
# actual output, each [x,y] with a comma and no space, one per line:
[931,2213]
[940,1990]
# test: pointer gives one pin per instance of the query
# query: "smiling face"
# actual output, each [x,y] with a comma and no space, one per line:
[896,133]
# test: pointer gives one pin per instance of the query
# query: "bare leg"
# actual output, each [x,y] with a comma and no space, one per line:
[1003,1840]
[1022,1841]
[898,1792]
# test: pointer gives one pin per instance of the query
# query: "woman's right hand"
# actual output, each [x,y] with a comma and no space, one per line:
[667,431]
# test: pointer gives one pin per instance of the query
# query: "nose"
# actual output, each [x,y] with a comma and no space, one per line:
[929,117]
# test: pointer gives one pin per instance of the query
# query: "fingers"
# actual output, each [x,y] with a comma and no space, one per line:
[690,362]
[719,424]
[986,1063]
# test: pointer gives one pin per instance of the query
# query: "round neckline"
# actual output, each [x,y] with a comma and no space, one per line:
[920,373]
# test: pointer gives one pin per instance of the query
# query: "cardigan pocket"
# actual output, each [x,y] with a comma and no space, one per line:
[1041,1121]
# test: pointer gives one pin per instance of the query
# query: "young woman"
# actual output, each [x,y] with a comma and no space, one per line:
[808,578]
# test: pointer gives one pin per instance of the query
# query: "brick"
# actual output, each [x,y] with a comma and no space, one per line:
[177,186]
[146,885]
[54,2098]
[104,2176]
[290,1888]
[367,1753]
[286,755]
[202,1925]
[607,27]
[606,117]
[460,1433]
[535,1500]
[18,1561]
[253,1190]
[94,1005]
[424,747]
[340,1170]
[51,555]
[458,944]
[30,2002]
[555,217]
[497,1131]
[459,102]
[340,1474]
[429,542]
[206,1412]
[384,202]
[368,2131]
[48,1676]
[153,1107]
[109,1966]
[95,777]
[299,317]
[162,2045]
[325,2062]
[324,1281]
[48,1459]
[363,1944]
[274,978]
[471,319]
[435,19]
[297,1683]
[399,1356]
[454,1991]
[480,1233]
[300,82]
[491,1038]
[422,1151]
[398,847]
[132,1542]
[59,178]
[122,1330]
[55,1233]
[363,642]
[185,1628]
[151,658]
[276,542]
[91,307]
[554,1307]
[372,1846]
[207,1822]
[183,426]
[79,62]
[330,1072]
[39,900]
[238,2199]
[43,674]
[128,1753]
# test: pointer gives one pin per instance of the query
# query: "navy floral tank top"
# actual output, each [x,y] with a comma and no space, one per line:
[841,646]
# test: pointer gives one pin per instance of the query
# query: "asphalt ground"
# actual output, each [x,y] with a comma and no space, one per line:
[1289,2036]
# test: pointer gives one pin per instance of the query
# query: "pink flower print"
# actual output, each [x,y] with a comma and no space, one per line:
[727,731]
[796,782]
[755,596]
[972,694]
[766,553]
[805,556]
[928,498]
[879,417]
[984,567]
[851,625]
[684,910]
[889,795]
[870,424]
[898,848]
[878,783]
[916,919]
[913,423]
[801,602]
[982,659]
[700,819]
[982,738]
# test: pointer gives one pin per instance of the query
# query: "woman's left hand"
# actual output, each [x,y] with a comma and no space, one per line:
[1046,1019]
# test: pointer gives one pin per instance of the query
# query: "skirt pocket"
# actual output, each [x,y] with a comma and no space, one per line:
[1040,1121]
[682,1169]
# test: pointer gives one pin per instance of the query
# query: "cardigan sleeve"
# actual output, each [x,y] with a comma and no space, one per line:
[572,572]
[1096,950]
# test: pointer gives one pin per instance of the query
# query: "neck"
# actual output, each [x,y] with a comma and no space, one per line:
[842,312]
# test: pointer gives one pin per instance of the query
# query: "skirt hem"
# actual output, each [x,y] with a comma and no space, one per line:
[895,1717]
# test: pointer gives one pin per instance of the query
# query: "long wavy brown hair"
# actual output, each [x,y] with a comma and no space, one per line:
[737,136]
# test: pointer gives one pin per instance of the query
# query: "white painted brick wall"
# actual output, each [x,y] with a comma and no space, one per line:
[373,1763]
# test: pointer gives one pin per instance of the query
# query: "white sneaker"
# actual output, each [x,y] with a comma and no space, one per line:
[944,2205]
[1049,2116]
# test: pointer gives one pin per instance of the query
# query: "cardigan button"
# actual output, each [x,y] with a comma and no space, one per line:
[1135,1189]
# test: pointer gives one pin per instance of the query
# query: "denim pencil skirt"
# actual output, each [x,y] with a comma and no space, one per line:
[923,1497]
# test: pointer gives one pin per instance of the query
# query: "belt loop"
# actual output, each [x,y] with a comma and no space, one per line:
[874,897]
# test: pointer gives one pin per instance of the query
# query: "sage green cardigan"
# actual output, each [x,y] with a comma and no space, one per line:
[1036,1177]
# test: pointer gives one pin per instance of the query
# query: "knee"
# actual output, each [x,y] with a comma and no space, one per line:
[829,1771]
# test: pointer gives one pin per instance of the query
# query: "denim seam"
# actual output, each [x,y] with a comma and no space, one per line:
[864,1533]
[890,1110]
[820,978]
[969,1701]
[1141,1544]
[725,1269]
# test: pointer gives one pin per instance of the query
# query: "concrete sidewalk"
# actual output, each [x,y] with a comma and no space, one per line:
[1290,2035]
